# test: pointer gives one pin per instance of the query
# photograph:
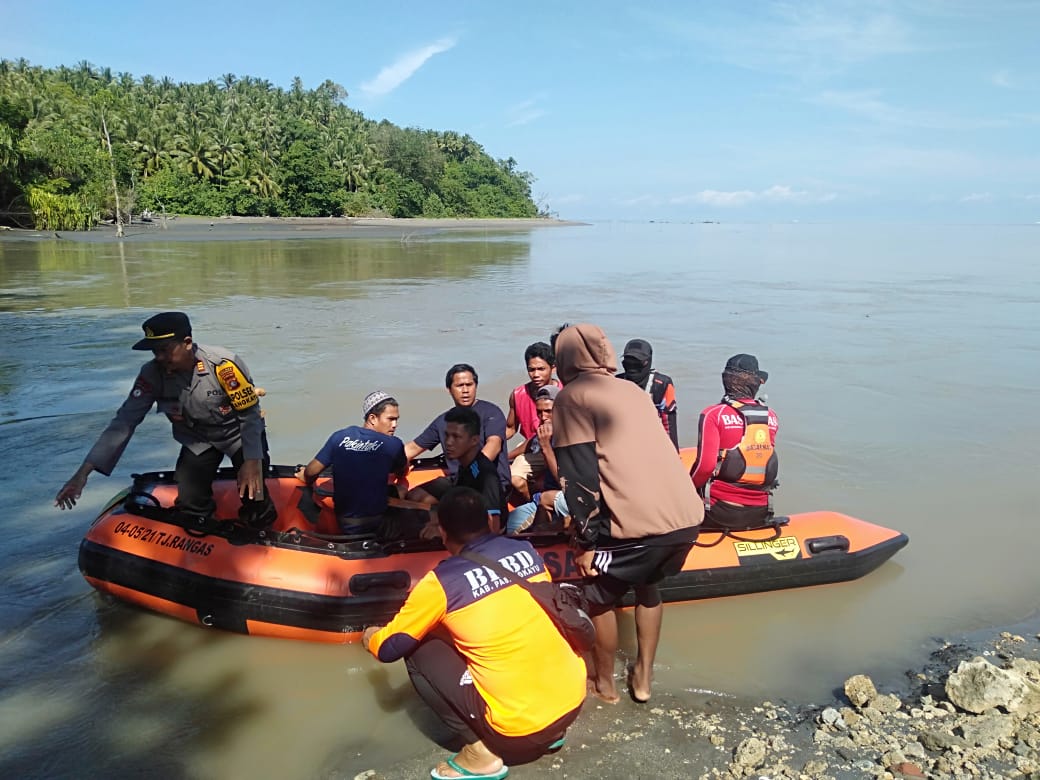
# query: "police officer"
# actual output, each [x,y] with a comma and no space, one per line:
[209,397]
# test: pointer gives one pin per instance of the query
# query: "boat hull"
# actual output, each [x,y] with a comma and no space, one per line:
[299,581]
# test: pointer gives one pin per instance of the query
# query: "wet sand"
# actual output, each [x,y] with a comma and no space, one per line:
[911,732]
[281,228]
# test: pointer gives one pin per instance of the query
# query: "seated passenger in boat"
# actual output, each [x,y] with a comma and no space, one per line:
[637,361]
[528,465]
[364,460]
[462,444]
[461,382]
[548,505]
[481,652]
[736,467]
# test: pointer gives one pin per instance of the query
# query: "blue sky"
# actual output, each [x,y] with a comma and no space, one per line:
[924,110]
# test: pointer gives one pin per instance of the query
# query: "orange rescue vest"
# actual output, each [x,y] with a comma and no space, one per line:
[752,463]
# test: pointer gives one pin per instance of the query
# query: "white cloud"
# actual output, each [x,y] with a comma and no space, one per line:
[868,103]
[977,197]
[778,193]
[404,67]
[523,113]
[1002,78]
[804,39]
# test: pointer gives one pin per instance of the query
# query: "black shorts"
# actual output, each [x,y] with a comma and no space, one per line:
[437,487]
[634,563]
[440,676]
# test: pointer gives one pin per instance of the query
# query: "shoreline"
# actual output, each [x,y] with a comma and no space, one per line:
[181,228]
[909,730]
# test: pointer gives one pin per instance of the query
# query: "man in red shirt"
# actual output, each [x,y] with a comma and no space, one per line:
[736,467]
[526,465]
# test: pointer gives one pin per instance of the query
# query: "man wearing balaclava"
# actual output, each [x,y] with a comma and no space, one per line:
[736,467]
[637,365]
[633,508]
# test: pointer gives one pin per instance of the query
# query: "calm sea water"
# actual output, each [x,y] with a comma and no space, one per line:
[901,363]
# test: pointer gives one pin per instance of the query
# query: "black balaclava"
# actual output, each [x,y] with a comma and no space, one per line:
[636,361]
[740,384]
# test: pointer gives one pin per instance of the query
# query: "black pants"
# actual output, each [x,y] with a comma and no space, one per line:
[438,672]
[195,475]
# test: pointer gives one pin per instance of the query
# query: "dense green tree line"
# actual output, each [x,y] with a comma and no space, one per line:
[81,144]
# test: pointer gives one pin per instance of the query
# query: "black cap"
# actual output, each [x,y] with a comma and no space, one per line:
[163,328]
[638,349]
[745,364]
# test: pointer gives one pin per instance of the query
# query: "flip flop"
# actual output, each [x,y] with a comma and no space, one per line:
[465,773]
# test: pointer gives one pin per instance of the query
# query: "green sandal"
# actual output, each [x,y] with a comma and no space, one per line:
[501,774]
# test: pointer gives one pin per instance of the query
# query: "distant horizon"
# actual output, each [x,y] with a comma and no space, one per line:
[815,111]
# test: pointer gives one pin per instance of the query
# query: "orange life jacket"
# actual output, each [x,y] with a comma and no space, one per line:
[752,463]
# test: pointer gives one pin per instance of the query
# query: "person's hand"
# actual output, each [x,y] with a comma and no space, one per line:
[299,474]
[432,530]
[70,492]
[545,432]
[250,480]
[583,561]
[367,636]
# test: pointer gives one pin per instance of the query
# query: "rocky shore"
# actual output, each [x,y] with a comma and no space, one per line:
[972,711]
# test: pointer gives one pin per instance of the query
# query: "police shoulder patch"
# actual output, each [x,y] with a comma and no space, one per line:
[237,387]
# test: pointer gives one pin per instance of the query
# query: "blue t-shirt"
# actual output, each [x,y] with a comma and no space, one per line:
[492,423]
[362,461]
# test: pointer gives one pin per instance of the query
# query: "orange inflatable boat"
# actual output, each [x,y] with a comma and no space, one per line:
[300,580]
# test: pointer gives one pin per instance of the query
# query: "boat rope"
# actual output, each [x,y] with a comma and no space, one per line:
[775,523]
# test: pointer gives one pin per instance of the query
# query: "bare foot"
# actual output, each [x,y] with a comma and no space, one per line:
[605,696]
[640,692]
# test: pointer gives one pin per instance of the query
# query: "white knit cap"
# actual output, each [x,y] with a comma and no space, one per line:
[372,400]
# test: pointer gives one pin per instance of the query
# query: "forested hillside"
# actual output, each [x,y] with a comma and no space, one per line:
[76,144]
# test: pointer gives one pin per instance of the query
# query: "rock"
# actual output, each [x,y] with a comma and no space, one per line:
[893,758]
[887,703]
[814,768]
[750,753]
[873,715]
[851,717]
[987,730]
[1027,668]
[860,689]
[940,741]
[913,750]
[831,717]
[978,686]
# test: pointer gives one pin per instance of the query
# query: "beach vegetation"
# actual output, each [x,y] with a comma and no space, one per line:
[81,144]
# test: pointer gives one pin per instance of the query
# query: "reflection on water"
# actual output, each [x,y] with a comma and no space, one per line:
[895,355]
[52,275]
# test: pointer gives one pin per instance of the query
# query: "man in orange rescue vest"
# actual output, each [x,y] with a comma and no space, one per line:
[209,397]
[480,650]
[736,467]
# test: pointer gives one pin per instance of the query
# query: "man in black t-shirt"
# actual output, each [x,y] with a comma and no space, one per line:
[462,443]
[461,383]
